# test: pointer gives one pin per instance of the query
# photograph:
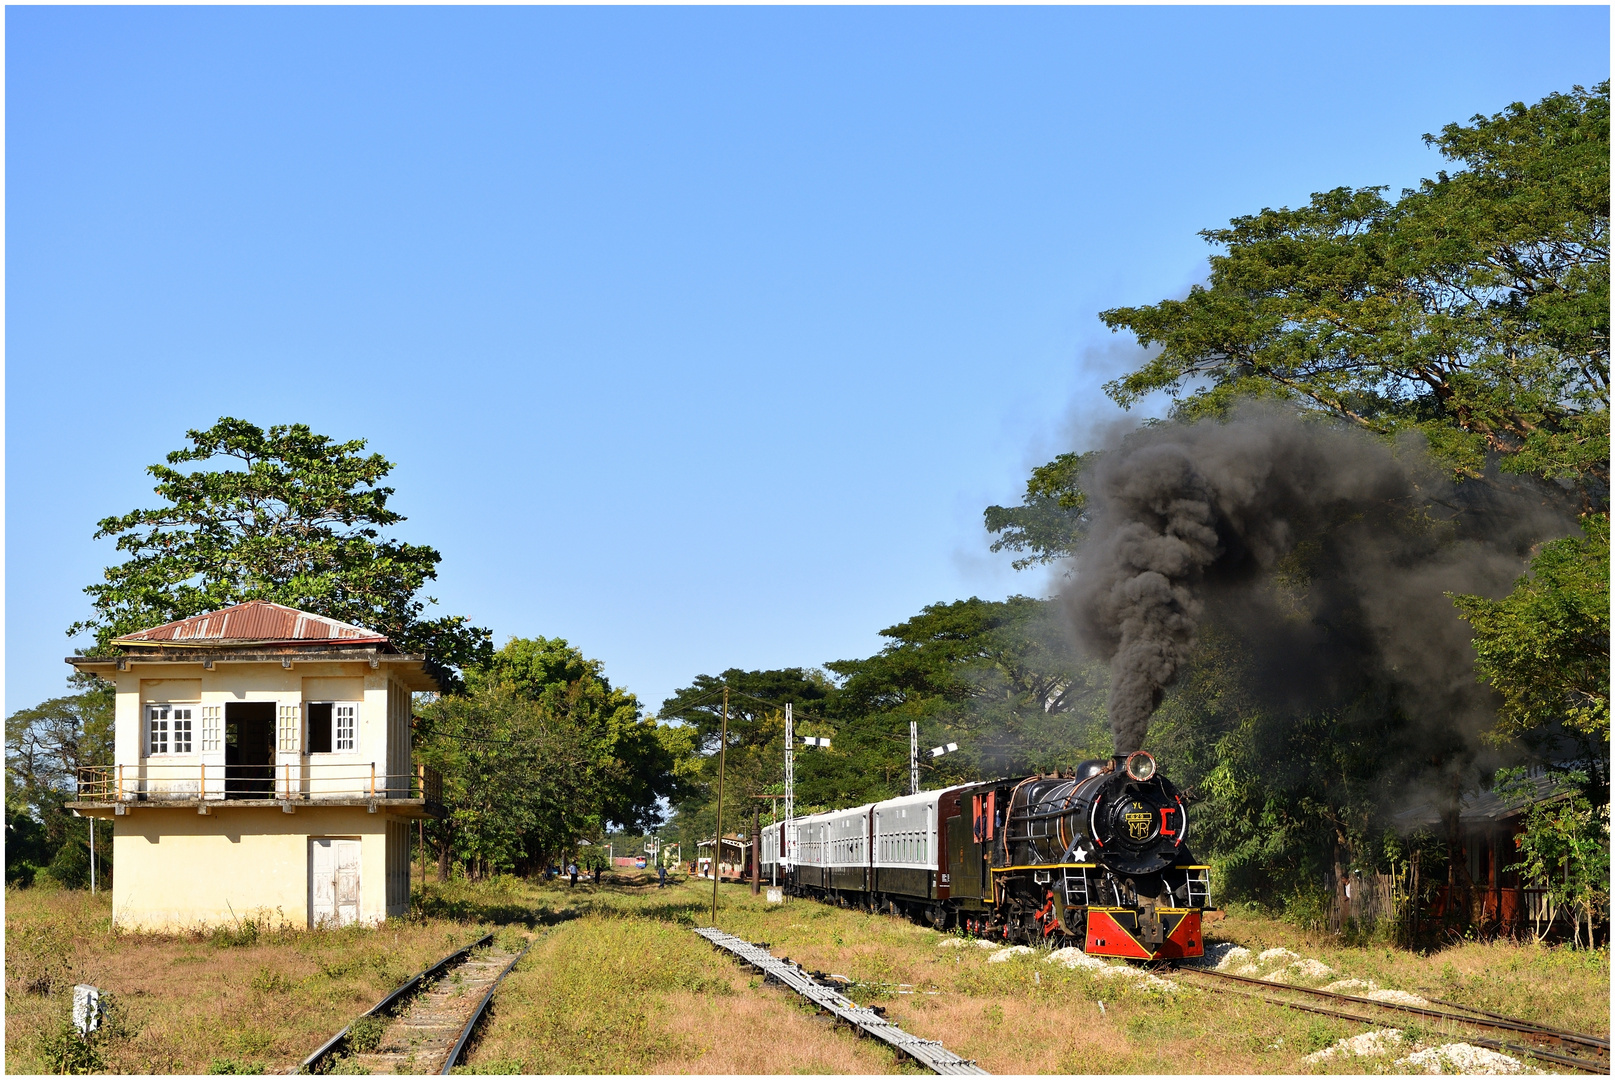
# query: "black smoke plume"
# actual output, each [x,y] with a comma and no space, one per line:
[1326,551]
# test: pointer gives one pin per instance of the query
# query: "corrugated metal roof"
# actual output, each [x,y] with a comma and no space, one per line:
[256,621]
[1486,806]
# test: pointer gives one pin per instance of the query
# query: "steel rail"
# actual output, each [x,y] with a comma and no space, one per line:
[388,1003]
[1522,1027]
[1584,1064]
[867,1020]
[1543,1028]
[482,1006]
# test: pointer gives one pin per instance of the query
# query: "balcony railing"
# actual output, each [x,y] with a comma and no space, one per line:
[287,782]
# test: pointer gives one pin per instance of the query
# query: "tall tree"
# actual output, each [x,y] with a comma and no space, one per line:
[997,677]
[45,747]
[542,752]
[1474,309]
[283,515]
[635,763]
[1051,521]
[521,781]
[1545,648]
[993,676]
[754,762]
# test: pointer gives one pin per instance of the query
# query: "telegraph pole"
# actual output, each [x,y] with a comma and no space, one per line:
[913,757]
[717,846]
[788,841]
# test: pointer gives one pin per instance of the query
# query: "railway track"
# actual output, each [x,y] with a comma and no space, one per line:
[866,1020]
[423,1026]
[1586,1053]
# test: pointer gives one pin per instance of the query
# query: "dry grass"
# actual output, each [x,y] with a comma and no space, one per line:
[626,988]
[1553,985]
[1029,1016]
[192,1002]
[617,983]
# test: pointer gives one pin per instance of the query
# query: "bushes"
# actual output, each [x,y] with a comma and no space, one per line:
[1309,907]
[35,857]
[364,1034]
[67,1052]
[70,867]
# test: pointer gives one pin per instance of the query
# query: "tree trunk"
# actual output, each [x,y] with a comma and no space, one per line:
[1414,900]
[1342,903]
[443,858]
[1460,888]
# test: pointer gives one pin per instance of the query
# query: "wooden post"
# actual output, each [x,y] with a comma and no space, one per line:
[717,840]
[756,850]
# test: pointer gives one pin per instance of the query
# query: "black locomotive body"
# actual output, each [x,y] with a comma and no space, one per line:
[1098,858]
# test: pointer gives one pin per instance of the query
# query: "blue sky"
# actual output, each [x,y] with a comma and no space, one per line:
[700,337]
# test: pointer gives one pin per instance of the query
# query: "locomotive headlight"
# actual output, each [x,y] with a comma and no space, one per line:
[1140,766]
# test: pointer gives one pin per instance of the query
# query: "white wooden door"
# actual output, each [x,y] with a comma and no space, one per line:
[333,876]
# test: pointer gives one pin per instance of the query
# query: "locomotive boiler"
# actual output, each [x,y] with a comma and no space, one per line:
[1098,857]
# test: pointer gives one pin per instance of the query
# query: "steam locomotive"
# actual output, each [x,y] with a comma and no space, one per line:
[1097,857]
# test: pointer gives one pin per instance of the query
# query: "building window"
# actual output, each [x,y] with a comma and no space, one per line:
[212,726]
[332,726]
[168,729]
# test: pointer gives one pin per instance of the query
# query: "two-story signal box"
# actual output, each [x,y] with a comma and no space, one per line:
[262,770]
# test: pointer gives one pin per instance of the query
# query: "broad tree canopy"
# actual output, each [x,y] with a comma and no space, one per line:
[283,515]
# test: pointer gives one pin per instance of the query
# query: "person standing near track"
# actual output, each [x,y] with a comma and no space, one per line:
[572,874]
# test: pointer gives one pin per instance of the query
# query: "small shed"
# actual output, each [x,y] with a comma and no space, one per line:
[1488,824]
[734,861]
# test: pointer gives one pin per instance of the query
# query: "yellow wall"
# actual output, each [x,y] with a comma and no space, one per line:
[381,746]
[178,869]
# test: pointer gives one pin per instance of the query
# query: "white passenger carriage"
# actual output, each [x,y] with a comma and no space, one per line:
[887,855]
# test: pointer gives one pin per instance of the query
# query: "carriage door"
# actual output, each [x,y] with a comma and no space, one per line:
[333,881]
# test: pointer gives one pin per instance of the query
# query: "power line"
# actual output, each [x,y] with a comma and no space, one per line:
[795,708]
